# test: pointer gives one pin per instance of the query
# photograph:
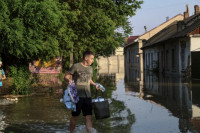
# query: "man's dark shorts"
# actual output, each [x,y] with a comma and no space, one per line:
[84,105]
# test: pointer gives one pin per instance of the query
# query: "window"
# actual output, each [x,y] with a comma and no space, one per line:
[173,59]
[158,63]
[151,60]
[183,46]
[146,60]
[167,59]
[129,56]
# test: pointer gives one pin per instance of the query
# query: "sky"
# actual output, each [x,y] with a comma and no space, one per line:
[154,12]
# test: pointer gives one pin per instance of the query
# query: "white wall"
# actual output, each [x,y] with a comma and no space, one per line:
[195,43]
[195,111]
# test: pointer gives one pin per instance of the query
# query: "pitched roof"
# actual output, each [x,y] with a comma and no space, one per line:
[173,18]
[163,35]
[155,30]
[130,40]
[172,32]
[191,26]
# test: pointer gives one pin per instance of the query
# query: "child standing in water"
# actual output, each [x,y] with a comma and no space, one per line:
[2,74]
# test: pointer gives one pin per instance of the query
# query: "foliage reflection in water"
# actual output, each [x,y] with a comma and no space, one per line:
[43,113]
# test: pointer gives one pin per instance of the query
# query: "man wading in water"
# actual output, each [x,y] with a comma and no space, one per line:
[82,75]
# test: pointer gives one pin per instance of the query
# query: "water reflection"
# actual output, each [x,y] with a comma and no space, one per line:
[155,103]
[178,97]
[174,90]
[43,113]
[121,118]
[195,120]
[172,93]
[2,122]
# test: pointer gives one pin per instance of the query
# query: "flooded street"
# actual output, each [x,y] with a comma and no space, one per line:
[163,104]
[44,113]
[158,104]
[150,116]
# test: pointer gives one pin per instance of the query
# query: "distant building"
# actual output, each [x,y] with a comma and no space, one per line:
[134,55]
[176,48]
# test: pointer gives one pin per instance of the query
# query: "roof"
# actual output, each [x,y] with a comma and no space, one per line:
[187,20]
[188,29]
[155,30]
[163,23]
[172,32]
[163,35]
[130,40]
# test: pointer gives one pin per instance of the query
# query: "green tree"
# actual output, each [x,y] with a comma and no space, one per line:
[45,29]
[30,30]
[66,33]
[98,21]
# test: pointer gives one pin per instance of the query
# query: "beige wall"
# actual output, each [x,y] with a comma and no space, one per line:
[113,65]
[195,43]
[195,111]
[119,51]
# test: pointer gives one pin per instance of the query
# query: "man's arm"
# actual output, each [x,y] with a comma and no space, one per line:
[68,77]
[92,83]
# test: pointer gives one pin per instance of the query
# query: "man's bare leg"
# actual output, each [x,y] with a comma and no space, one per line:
[88,123]
[73,123]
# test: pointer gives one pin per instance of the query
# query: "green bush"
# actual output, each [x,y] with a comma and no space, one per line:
[21,82]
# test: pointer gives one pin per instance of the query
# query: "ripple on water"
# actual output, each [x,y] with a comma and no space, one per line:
[2,122]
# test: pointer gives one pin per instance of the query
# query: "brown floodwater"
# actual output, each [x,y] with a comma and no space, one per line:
[157,104]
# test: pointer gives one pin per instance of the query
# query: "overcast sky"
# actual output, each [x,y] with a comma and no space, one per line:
[154,12]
